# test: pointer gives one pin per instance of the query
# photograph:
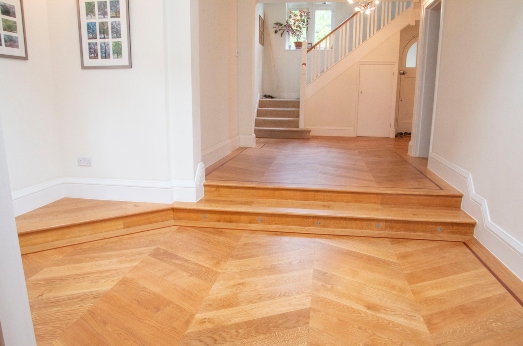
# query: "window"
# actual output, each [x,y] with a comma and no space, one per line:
[412,56]
[322,24]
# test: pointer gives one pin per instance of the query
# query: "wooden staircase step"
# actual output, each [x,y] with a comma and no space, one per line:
[278,122]
[285,133]
[380,196]
[300,217]
[284,113]
[279,103]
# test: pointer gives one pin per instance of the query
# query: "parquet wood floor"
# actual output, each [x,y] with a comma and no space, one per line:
[198,286]
[339,163]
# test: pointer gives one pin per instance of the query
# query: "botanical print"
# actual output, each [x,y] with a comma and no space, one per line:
[116,30]
[91,31]
[104,34]
[9,25]
[93,50]
[117,50]
[115,9]
[7,10]
[102,9]
[105,50]
[90,10]
[103,29]
[11,41]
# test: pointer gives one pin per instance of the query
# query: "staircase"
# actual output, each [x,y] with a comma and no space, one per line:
[430,215]
[279,118]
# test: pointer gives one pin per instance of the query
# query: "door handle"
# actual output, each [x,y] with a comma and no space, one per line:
[402,73]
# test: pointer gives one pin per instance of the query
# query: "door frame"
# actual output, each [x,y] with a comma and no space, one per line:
[392,131]
[426,94]
[401,67]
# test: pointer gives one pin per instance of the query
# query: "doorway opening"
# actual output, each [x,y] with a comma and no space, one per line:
[427,78]
[407,80]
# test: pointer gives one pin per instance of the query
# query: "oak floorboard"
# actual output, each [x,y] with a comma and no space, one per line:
[198,286]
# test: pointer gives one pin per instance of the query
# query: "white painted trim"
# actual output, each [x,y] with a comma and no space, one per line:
[37,196]
[359,53]
[165,192]
[332,131]
[247,141]
[507,249]
[220,150]
[421,97]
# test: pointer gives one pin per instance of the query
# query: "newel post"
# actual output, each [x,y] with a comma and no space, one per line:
[303,83]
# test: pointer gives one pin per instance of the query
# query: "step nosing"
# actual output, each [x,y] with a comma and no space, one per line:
[258,211]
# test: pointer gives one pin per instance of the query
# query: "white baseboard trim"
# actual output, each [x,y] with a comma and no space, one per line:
[220,150]
[37,196]
[248,141]
[165,192]
[507,249]
[332,131]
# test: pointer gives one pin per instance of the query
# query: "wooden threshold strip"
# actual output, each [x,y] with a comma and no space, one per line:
[505,277]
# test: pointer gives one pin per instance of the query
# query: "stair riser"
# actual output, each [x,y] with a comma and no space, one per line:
[317,224]
[278,123]
[332,196]
[279,104]
[268,133]
[278,113]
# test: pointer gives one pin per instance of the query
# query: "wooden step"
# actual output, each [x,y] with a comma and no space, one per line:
[364,195]
[279,103]
[282,133]
[314,218]
[278,122]
[284,113]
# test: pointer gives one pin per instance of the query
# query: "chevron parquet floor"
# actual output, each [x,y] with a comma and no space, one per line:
[197,286]
[327,163]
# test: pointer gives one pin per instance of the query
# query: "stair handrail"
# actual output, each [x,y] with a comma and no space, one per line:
[349,35]
[332,32]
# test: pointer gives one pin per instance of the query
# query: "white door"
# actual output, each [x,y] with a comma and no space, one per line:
[407,87]
[377,95]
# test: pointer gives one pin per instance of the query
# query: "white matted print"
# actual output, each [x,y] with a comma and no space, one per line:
[12,30]
[105,40]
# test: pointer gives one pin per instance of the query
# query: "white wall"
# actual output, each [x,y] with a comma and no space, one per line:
[281,71]
[478,120]
[219,78]
[246,63]
[15,316]
[28,109]
[258,51]
[333,110]
[118,117]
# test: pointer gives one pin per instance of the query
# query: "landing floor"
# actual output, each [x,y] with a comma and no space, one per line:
[329,163]
[197,286]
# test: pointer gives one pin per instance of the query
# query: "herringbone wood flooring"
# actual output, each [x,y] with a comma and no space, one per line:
[195,286]
[327,163]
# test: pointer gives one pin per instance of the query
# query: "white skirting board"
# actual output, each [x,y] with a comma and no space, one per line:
[37,196]
[220,150]
[507,249]
[247,141]
[332,131]
[111,190]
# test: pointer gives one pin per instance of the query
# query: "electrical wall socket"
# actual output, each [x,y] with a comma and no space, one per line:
[84,161]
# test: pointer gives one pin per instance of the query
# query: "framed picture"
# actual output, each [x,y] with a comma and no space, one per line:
[105,35]
[12,30]
[262,31]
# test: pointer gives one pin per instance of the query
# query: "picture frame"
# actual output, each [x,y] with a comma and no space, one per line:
[105,34]
[13,42]
[262,31]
